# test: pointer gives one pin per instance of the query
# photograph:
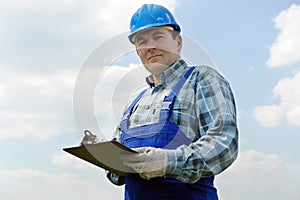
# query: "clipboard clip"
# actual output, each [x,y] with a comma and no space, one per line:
[89,138]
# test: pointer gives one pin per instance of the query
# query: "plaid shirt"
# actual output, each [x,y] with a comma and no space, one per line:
[204,110]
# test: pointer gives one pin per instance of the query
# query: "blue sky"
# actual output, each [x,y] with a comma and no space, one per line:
[44,45]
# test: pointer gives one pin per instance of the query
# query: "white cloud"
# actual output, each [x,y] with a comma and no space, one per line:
[66,160]
[36,104]
[41,105]
[43,43]
[59,34]
[286,48]
[269,115]
[102,106]
[288,109]
[103,17]
[36,185]
[256,175]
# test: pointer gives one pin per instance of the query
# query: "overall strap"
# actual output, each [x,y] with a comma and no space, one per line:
[168,102]
[129,110]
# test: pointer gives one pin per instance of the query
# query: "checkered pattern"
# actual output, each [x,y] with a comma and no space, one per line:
[204,110]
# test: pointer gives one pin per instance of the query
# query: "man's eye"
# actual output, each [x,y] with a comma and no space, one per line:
[157,37]
[140,43]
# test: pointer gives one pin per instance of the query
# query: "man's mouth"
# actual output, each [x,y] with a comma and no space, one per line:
[153,56]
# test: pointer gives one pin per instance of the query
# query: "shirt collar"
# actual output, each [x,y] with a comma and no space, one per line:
[169,74]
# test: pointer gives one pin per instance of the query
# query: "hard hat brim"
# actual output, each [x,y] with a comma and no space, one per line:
[132,36]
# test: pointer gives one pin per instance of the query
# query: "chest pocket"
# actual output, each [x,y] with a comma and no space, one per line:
[184,114]
[181,109]
[184,101]
[181,105]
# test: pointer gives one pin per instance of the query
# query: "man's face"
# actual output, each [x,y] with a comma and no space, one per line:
[158,49]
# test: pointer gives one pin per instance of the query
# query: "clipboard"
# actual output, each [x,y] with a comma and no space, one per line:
[105,155]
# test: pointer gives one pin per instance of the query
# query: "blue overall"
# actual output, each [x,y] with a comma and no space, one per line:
[163,134]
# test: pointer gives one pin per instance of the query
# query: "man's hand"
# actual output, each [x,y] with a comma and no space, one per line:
[149,162]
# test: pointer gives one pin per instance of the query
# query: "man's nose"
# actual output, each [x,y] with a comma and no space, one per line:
[151,44]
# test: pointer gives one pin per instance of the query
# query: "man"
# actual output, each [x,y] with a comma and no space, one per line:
[183,126]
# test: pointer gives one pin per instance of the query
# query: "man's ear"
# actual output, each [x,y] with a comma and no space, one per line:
[179,42]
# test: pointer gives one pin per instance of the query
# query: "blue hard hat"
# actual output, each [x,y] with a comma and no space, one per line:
[151,15]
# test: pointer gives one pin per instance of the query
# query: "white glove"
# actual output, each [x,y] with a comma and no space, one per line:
[149,162]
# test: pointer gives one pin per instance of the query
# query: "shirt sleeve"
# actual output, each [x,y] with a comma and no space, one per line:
[115,179]
[217,146]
